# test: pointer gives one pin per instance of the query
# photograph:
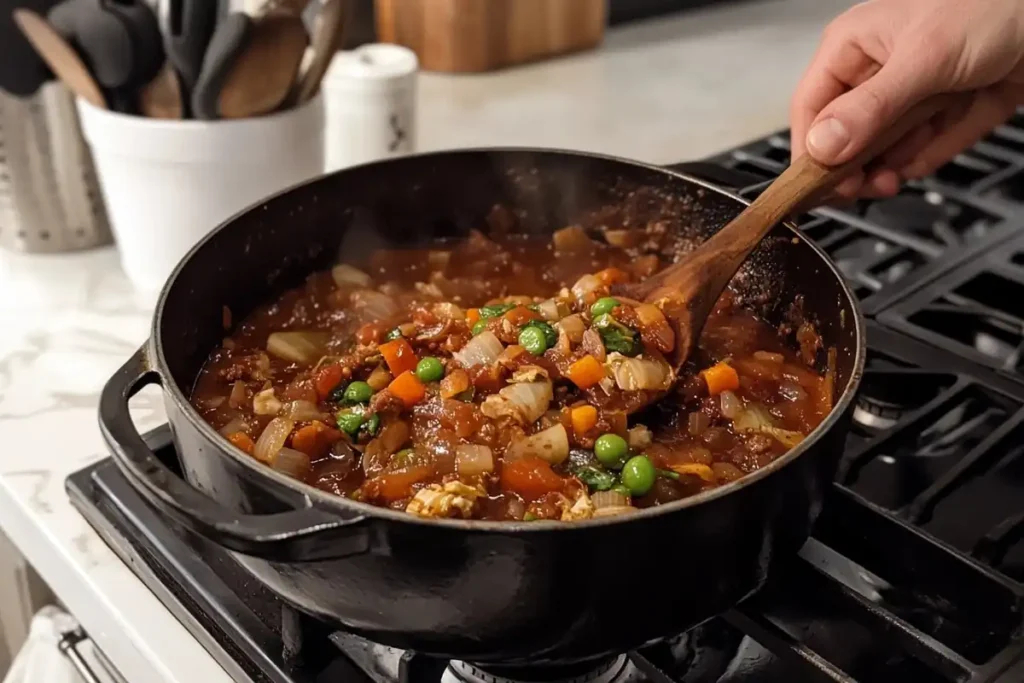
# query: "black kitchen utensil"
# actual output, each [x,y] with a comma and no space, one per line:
[227,42]
[488,592]
[187,26]
[22,70]
[119,40]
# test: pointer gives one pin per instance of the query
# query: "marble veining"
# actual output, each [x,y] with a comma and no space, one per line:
[660,91]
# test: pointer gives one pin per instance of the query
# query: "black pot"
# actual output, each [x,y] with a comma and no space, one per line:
[489,592]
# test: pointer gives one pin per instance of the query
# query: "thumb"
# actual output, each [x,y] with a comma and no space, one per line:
[844,127]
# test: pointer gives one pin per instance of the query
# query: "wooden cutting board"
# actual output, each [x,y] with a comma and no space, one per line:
[482,35]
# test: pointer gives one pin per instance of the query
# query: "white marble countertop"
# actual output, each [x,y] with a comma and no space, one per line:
[664,90]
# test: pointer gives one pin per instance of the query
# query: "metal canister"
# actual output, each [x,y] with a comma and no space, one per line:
[50,198]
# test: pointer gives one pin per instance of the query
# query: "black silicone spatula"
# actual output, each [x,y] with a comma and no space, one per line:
[187,27]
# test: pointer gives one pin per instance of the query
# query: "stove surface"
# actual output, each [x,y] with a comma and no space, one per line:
[915,571]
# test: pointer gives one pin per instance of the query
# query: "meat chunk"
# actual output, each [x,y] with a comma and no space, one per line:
[453,499]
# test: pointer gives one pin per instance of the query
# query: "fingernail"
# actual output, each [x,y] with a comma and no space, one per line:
[827,139]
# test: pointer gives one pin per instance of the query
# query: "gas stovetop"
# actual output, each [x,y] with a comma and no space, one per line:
[915,571]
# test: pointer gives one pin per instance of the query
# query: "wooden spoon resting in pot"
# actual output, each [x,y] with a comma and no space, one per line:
[687,291]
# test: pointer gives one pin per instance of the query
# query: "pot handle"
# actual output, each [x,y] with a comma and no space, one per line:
[295,536]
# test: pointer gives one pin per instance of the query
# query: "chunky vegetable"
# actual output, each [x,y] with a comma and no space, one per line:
[408,388]
[297,347]
[358,392]
[611,450]
[721,377]
[550,445]
[586,372]
[638,475]
[584,418]
[399,356]
[617,337]
[483,349]
[603,306]
[429,369]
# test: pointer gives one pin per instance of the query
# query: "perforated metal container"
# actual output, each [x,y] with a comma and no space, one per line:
[50,199]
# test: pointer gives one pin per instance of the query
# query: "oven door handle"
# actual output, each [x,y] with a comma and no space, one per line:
[304,534]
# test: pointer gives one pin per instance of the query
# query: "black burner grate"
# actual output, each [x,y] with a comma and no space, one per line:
[890,247]
[914,572]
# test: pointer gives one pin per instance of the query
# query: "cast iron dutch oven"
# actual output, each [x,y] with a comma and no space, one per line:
[488,592]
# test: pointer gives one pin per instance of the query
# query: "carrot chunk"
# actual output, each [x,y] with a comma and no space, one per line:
[583,419]
[399,356]
[721,377]
[243,441]
[586,372]
[530,477]
[472,316]
[408,388]
[327,379]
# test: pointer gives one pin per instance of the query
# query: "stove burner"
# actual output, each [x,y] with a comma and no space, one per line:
[923,213]
[884,399]
[602,671]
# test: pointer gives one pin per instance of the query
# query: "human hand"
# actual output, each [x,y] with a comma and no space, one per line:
[882,57]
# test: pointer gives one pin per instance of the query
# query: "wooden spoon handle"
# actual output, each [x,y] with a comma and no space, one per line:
[806,181]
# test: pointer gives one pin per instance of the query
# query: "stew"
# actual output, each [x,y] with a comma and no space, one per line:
[501,379]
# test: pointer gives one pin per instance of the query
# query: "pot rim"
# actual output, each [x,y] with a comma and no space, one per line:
[327,501]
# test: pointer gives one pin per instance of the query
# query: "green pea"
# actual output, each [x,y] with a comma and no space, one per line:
[611,450]
[495,310]
[479,327]
[532,339]
[349,422]
[372,424]
[604,305]
[358,392]
[429,369]
[393,334]
[550,336]
[638,474]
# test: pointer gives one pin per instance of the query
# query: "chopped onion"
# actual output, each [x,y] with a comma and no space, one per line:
[614,511]
[551,444]
[571,238]
[609,499]
[298,347]
[472,459]
[373,305]
[549,309]
[636,374]
[786,437]
[449,311]
[639,437]
[345,274]
[510,353]
[483,349]
[574,327]
[302,411]
[238,395]
[379,378]
[731,404]
[755,417]
[586,285]
[235,425]
[272,439]
[291,462]
[697,422]
[265,403]
[525,402]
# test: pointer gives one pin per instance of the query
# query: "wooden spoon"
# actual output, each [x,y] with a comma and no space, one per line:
[328,29]
[59,56]
[263,73]
[687,291]
[161,97]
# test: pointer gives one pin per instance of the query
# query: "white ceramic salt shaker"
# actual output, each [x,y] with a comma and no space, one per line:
[370,105]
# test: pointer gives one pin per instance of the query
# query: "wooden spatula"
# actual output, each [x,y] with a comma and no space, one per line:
[687,291]
[263,73]
[59,56]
